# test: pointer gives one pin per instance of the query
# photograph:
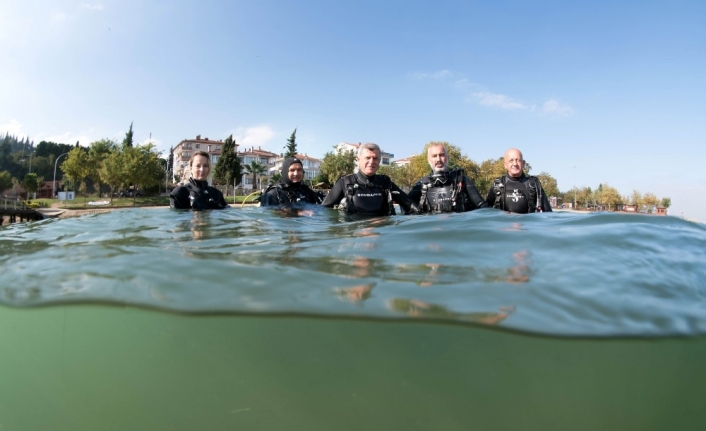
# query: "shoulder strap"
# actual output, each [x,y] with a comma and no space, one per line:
[499,187]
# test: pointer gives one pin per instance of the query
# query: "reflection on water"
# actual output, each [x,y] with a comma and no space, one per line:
[555,273]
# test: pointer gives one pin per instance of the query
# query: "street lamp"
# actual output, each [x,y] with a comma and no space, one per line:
[53,184]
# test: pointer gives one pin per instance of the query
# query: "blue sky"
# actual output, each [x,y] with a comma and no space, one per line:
[614,88]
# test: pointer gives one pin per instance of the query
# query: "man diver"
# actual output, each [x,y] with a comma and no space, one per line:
[445,191]
[517,192]
[290,189]
[365,192]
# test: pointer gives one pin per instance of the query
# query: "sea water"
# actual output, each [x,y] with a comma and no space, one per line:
[256,319]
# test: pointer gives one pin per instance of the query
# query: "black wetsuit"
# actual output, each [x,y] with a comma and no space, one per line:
[518,195]
[197,195]
[282,193]
[358,193]
[446,192]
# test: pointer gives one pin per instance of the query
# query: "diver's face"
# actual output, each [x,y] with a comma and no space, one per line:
[436,156]
[368,162]
[200,167]
[296,173]
[514,164]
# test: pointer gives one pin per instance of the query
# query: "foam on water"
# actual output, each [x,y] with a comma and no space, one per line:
[600,274]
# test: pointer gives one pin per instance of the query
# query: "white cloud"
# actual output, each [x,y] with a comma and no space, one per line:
[434,75]
[58,17]
[553,106]
[257,136]
[14,128]
[96,6]
[497,101]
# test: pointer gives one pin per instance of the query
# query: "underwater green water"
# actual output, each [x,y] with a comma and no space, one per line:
[156,319]
[115,368]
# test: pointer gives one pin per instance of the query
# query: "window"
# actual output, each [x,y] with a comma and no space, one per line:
[214,159]
[186,154]
[218,147]
[208,148]
[248,180]
[263,160]
[198,146]
[240,159]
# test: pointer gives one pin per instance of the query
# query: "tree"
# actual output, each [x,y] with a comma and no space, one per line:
[76,166]
[548,184]
[489,170]
[255,169]
[5,181]
[636,199]
[30,183]
[111,170]
[403,175]
[170,162]
[650,201]
[275,178]
[609,196]
[228,169]
[97,153]
[291,147]
[127,142]
[336,164]
[141,167]
[666,202]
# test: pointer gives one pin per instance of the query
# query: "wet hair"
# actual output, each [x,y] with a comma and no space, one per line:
[370,147]
[200,153]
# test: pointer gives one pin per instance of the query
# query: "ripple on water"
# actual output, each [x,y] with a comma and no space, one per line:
[599,274]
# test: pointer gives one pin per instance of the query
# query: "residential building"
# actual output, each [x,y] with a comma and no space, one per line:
[403,162]
[183,151]
[261,156]
[385,157]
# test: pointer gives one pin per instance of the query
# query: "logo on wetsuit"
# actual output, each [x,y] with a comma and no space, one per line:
[516,195]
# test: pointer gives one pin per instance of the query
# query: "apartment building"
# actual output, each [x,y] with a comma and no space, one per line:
[263,157]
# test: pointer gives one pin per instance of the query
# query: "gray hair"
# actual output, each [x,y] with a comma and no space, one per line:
[370,147]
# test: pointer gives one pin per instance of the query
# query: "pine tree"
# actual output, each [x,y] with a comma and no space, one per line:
[127,142]
[291,147]
[228,170]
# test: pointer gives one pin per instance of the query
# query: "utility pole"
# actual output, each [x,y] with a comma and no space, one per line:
[574,166]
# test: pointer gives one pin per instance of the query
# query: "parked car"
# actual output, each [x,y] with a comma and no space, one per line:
[130,193]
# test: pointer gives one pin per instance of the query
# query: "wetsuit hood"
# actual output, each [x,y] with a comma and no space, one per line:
[286,164]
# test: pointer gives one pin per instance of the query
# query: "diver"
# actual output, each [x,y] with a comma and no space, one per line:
[290,189]
[365,192]
[444,191]
[196,193]
[517,192]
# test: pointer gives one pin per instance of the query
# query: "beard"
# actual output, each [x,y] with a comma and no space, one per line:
[442,169]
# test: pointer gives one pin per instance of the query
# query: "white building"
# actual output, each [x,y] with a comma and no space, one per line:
[403,162]
[265,158]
